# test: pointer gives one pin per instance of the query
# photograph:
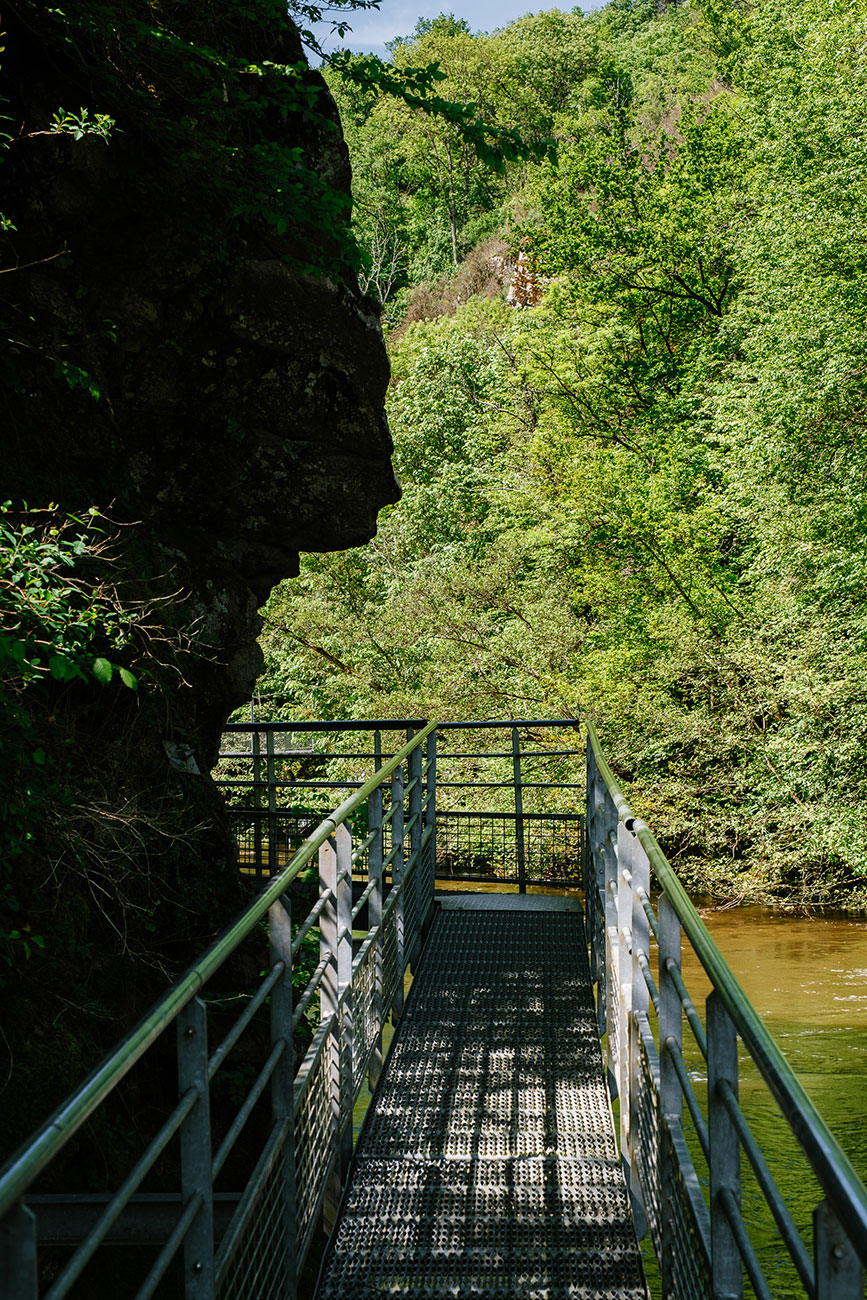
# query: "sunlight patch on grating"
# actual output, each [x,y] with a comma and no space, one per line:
[488,1165]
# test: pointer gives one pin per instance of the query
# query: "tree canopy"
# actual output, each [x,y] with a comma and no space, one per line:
[644,497]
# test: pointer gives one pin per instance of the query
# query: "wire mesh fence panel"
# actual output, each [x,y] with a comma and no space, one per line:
[690,1262]
[554,847]
[473,846]
[646,1146]
[346,1073]
[366,1027]
[484,846]
[410,910]
[390,973]
[266,840]
[260,1263]
[314,1135]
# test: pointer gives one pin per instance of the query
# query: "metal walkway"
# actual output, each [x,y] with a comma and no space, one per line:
[488,1165]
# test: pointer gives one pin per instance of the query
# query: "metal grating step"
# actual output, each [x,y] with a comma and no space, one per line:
[486,1228]
[488,1165]
[466,901]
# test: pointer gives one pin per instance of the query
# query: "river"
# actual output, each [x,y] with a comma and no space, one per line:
[807,978]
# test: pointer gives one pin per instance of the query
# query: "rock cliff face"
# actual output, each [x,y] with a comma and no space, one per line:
[206,374]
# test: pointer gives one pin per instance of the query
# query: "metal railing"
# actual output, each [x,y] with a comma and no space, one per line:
[251,1149]
[276,777]
[251,1179]
[688,1192]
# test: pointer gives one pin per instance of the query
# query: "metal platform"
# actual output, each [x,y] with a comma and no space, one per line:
[488,1166]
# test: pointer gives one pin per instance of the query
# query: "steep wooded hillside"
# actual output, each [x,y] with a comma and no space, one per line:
[645,496]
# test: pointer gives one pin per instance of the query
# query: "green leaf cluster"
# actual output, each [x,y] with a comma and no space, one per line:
[63,626]
[55,603]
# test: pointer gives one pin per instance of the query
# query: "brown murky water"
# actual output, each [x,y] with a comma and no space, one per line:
[807,978]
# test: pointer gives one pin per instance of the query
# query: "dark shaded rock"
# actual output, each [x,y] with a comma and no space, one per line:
[211,379]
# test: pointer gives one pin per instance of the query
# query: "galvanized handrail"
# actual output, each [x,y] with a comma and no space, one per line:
[181,1005]
[622,850]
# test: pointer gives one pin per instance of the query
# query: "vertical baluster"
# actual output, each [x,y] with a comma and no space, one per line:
[335,993]
[608,837]
[725,1155]
[195,1134]
[671,1097]
[374,922]
[282,1085]
[397,788]
[343,839]
[19,1277]
[413,940]
[839,1273]
[640,1006]
[270,777]
[329,1003]
[257,804]
[592,884]
[430,821]
[519,811]
[623,974]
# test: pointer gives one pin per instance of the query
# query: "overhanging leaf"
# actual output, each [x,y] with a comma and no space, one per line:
[102,670]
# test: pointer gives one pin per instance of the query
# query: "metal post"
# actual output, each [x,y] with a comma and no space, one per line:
[430,822]
[335,998]
[586,860]
[273,850]
[343,839]
[623,991]
[282,1080]
[329,1004]
[725,1155]
[519,811]
[670,1095]
[640,1006]
[257,804]
[195,1133]
[596,832]
[374,925]
[19,1278]
[839,1273]
[397,786]
[608,852]
[418,880]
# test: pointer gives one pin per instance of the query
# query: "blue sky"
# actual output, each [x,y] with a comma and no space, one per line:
[371,28]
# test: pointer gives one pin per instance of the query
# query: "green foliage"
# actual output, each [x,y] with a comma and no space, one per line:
[80,124]
[55,603]
[64,624]
[428,167]
[645,496]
